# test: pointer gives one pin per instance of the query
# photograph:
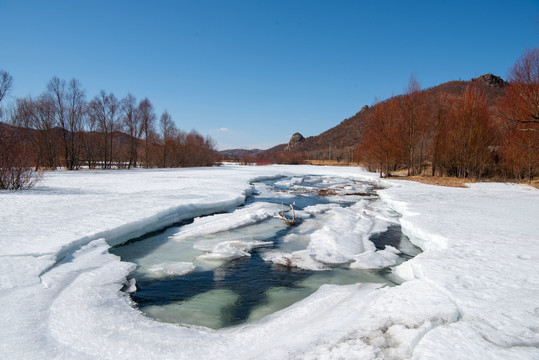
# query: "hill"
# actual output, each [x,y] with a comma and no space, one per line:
[339,142]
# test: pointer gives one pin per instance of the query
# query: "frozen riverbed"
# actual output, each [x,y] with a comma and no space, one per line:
[230,268]
[471,293]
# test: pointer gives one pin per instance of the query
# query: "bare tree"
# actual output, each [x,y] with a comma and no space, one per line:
[15,167]
[469,136]
[56,90]
[98,114]
[90,136]
[520,109]
[168,130]
[113,124]
[132,123]
[104,110]
[6,82]
[147,117]
[521,103]
[76,112]
[413,125]
[40,115]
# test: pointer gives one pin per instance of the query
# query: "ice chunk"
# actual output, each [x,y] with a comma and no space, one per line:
[342,237]
[376,259]
[228,250]
[301,259]
[221,222]
[130,286]
[171,269]
[319,208]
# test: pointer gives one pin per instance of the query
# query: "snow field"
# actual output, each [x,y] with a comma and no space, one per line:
[471,294]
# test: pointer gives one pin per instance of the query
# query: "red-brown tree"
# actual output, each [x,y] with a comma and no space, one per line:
[520,110]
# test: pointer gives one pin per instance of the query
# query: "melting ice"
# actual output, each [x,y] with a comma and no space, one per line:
[235,267]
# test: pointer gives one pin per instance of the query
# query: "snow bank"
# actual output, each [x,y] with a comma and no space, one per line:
[480,242]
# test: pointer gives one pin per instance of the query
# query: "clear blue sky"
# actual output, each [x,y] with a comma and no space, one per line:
[251,73]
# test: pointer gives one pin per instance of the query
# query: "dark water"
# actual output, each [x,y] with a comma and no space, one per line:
[248,277]
[253,287]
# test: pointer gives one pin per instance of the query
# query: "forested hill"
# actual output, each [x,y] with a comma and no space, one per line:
[340,141]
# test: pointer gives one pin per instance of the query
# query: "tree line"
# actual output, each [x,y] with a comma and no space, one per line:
[459,136]
[62,128]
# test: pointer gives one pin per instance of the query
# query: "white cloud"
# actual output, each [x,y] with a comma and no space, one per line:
[223,129]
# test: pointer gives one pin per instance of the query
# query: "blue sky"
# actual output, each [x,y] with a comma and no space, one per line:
[251,73]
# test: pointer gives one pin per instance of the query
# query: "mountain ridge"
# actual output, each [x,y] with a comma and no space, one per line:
[339,141]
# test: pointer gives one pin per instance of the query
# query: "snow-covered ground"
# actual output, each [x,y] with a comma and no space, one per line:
[472,294]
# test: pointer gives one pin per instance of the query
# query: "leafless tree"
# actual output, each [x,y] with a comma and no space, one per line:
[6,82]
[413,123]
[40,116]
[104,109]
[520,109]
[147,117]
[168,130]
[56,91]
[132,124]
[90,140]
[15,167]
[76,113]
[521,103]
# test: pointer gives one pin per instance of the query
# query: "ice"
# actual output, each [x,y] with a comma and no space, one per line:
[286,184]
[190,312]
[171,269]
[319,208]
[342,237]
[337,236]
[472,293]
[221,222]
[228,250]
[378,259]
[301,259]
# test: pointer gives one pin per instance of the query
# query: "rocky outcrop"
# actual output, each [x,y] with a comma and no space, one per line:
[491,80]
[296,139]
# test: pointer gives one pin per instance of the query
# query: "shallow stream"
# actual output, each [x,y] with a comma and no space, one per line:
[232,268]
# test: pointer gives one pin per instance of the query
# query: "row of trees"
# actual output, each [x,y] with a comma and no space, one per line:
[62,128]
[14,171]
[459,135]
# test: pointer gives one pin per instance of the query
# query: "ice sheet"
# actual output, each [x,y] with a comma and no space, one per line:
[248,215]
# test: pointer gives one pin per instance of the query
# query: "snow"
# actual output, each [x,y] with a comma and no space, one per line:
[472,293]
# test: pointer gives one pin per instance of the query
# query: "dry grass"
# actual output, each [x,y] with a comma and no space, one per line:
[427,179]
[437,180]
[534,183]
[457,182]
[329,163]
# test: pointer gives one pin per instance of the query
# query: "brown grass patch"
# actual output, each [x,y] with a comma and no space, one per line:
[329,163]
[437,180]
